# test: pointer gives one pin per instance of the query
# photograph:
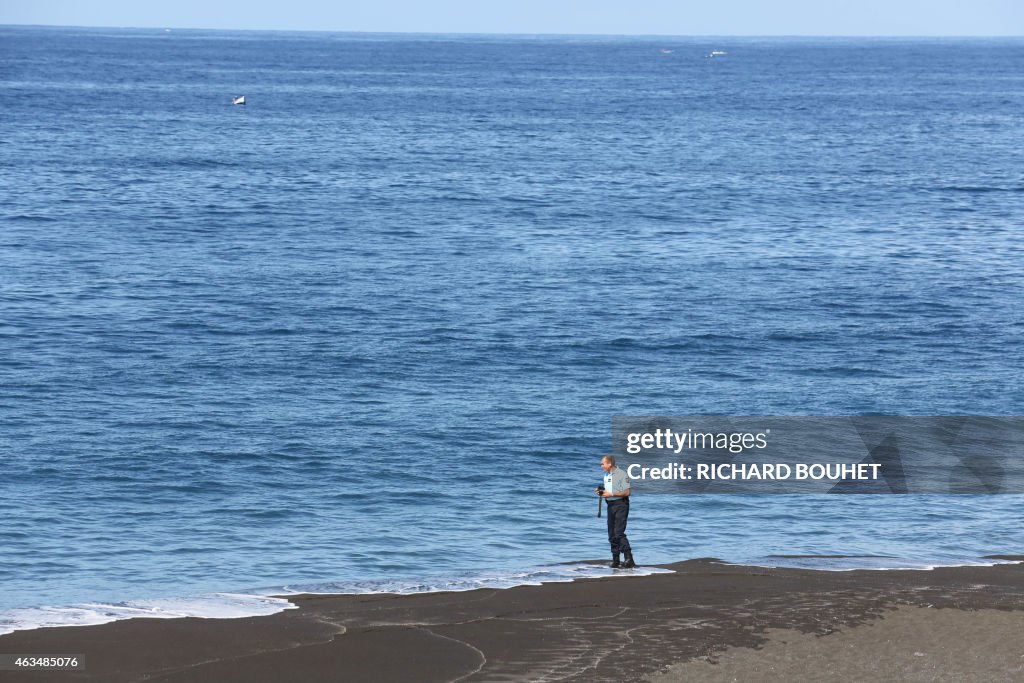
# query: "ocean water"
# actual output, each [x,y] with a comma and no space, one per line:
[367,332]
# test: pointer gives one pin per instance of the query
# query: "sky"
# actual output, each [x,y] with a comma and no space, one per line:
[616,17]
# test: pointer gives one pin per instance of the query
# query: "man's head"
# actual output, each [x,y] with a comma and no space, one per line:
[608,463]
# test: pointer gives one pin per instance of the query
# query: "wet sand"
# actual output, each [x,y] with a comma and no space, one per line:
[706,619]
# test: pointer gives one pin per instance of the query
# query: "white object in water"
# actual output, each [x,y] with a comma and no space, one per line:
[666,51]
[238,100]
[717,53]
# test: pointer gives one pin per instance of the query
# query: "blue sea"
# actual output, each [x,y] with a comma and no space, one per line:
[368,331]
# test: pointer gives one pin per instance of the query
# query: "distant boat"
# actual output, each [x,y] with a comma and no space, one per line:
[717,53]
[665,51]
[238,100]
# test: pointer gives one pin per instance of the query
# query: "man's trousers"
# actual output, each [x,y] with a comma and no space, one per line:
[618,512]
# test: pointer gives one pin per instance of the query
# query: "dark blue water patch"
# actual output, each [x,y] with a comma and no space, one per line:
[982,189]
[27,218]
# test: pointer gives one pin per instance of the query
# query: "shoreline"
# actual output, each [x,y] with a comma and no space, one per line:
[243,603]
[592,629]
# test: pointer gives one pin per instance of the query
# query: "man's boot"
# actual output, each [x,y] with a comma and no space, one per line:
[629,563]
[615,561]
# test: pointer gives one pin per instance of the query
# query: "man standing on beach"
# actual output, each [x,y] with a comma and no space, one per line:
[616,495]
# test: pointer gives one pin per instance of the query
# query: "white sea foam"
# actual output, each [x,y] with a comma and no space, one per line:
[856,563]
[467,582]
[211,606]
[261,602]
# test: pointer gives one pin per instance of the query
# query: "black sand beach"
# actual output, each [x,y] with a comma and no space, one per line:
[706,621]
